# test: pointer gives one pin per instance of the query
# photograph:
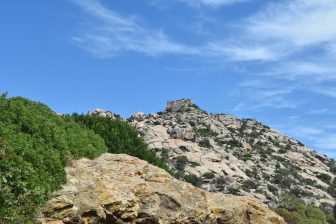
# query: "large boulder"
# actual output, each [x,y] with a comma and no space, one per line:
[179,105]
[186,133]
[103,113]
[124,189]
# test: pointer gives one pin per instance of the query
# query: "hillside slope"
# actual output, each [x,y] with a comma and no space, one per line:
[221,153]
[35,146]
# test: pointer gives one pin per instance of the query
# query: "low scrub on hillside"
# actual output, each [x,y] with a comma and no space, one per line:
[120,137]
[35,146]
[295,211]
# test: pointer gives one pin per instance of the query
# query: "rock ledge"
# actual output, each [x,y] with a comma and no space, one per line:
[123,189]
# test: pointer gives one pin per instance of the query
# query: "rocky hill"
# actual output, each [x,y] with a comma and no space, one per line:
[221,153]
[117,188]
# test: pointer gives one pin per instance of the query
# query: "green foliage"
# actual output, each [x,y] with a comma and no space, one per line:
[290,217]
[332,188]
[220,182]
[248,184]
[203,132]
[324,177]
[233,143]
[204,143]
[120,137]
[35,146]
[295,211]
[234,191]
[252,173]
[193,179]
[272,189]
[208,175]
[181,163]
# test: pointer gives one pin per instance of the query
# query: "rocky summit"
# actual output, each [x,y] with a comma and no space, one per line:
[117,188]
[221,153]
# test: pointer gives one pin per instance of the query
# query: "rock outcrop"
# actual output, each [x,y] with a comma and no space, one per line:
[123,189]
[238,156]
[103,113]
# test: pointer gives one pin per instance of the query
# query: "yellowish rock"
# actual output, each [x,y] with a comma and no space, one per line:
[123,189]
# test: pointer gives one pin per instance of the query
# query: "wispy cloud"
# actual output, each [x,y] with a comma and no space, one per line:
[113,33]
[239,53]
[320,136]
[298,22]
[290,27]
[328,91]
[317,71]
[211,3]
[257,94]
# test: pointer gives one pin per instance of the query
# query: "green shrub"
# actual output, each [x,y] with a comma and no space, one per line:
[272,189]
[193,179]
[120,137]
[290,217]
[208,175]
[248,184]
[181,163]
[234,191]
[203,132]
[205,143]
[332,188]
[324,177]
[35,146]
[295,211]
[220,182]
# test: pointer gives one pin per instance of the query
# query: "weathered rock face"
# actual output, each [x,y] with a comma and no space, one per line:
[179,105]
[240,156]
[124,189]
[103,113]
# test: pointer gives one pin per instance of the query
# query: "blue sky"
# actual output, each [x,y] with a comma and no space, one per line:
[271,60]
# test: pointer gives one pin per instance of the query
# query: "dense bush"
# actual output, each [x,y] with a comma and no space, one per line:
[193,179]
[248,184]
[35,146]
[295,211]
[324,177]
[208,175]
[120,137]
[181,163]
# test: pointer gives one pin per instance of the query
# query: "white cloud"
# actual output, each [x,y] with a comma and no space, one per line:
[320,136]
[113,33]
[319,71]
[320,111]
[211,3]
[238,53]
[284,29]
[300,22]
[331,92]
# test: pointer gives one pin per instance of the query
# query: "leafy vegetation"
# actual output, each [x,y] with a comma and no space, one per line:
[193,179]
[295,211]
[208,175]
[181,163]
[203,132]
[248,185]
[324,177]
[35,146]
[120,137]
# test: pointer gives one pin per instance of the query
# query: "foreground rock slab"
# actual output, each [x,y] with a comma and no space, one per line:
[123,189]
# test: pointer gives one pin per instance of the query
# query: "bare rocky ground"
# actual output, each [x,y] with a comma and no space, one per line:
[123,189]
[221,153]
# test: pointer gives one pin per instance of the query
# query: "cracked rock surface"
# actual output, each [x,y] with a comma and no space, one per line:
[117,188]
